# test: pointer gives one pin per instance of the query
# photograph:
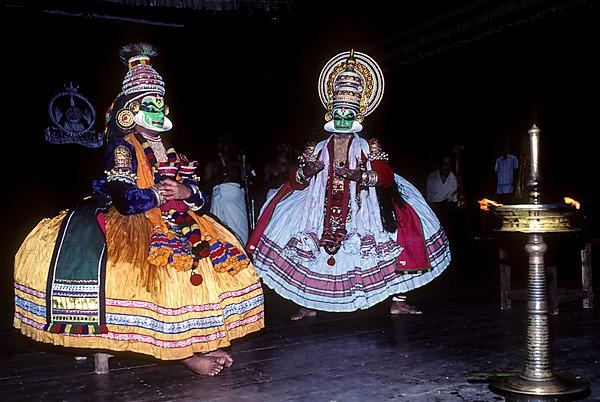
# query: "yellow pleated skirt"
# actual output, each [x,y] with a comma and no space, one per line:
[149,310]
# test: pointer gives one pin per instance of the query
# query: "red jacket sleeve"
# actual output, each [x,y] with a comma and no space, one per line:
[385,174]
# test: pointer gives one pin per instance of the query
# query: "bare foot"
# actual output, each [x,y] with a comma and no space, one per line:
[303,312]
[205,365]
[402,307]
[221,354]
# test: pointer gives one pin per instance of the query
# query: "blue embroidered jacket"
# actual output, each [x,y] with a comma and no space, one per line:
[119,184]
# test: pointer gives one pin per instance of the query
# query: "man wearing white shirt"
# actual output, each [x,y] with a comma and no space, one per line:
[441,195]
[441,183]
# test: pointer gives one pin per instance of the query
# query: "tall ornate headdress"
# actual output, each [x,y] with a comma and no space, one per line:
[141,79]
[141,76]
[352,80]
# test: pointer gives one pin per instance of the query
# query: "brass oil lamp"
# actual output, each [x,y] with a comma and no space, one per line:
[537,381]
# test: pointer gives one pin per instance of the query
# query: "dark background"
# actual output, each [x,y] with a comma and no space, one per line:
[254,74]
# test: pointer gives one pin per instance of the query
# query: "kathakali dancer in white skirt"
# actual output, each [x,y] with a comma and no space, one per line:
[345,232]
[138,267]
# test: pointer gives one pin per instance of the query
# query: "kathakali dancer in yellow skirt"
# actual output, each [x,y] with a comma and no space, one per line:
[138,267]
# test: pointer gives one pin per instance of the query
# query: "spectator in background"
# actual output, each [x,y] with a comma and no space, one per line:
[505,168]
[442,184]
[441,193]
[276,171]
[226,178]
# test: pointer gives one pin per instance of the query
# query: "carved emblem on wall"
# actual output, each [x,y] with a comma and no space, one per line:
[72,119]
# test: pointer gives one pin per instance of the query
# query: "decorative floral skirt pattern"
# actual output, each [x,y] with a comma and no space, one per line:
[366,268]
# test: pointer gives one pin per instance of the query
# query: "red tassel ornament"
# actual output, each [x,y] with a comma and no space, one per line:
[196,279]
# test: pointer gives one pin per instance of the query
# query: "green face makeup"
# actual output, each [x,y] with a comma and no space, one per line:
[153,109]
[343,119]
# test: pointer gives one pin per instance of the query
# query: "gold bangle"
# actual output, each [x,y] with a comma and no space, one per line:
[369,178]
[160,198]
[300,177]
[364,178]
[372,178]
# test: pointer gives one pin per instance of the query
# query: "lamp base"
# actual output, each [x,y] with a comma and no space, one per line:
[559,387]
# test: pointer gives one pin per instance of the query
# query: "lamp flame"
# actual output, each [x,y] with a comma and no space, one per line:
[485,204]
[570,201]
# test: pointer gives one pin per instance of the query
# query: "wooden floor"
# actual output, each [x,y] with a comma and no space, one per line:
[442,355]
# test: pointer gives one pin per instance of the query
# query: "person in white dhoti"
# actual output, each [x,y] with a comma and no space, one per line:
[441,183]
[225,176]
[228,203]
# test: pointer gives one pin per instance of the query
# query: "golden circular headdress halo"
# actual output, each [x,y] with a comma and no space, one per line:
[369,71]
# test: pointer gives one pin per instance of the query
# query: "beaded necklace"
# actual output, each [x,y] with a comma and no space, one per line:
[170,154]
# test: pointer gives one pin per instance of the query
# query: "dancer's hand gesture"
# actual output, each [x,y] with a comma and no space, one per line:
[350,174]
[173,190]
[312,168]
